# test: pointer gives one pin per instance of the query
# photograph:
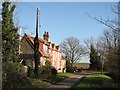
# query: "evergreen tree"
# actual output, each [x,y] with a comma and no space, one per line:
[10,37]
[94,59]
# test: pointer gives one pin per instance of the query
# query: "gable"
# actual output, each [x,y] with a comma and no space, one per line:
[25,47]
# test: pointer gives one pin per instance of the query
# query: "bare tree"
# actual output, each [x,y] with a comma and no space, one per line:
[109,46]
[110,42]
[72,49]
[113,23]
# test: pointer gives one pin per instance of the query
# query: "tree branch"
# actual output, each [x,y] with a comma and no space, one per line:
[103,22]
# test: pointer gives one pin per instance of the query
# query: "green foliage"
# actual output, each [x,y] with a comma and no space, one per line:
[43,71]
[95,81]
[79,69]
[94,59]
[10,37]
[65,75]
[38,84]
[70,69]
[31,73]
[13,77]
[68,63]
[46,71]
[51,80]
[12,67]
[53,71]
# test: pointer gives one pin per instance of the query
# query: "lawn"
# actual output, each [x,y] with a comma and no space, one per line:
[59,77]
[50,81]
[95,81]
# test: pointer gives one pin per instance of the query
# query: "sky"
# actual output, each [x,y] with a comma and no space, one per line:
[64,19]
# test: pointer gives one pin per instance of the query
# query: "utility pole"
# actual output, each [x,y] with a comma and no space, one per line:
[118,49]
[36,47]
[119,15]
[102,63]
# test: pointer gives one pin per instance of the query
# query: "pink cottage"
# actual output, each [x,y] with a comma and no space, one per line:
[48,51]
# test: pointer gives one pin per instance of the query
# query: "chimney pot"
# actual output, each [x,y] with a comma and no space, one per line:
[46,36]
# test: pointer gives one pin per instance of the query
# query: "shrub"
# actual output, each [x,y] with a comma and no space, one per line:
[70,69]
[12,67]
[45,71]
[75,68]
[13,76]
[115,79]
[79,69]
[31,73]
[53,71]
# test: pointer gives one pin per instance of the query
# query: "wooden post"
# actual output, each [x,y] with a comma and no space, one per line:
[36,47]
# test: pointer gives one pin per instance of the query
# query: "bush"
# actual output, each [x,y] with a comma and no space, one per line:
[115,79]
[75,68]
[31,73]
[13,76]
[45,71]
[79,69]
[70,69]
[53,72]
[12,67]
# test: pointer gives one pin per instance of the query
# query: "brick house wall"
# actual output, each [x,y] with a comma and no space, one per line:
[48,51]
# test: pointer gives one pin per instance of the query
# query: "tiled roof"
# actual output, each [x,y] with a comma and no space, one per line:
[40,39]
[31,42]
[32,38]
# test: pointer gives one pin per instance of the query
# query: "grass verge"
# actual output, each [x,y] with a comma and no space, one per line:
[95,81]
[50,81]
[59,77]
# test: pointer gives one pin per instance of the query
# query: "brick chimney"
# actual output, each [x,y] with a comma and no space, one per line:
[58,48]
[46,36]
